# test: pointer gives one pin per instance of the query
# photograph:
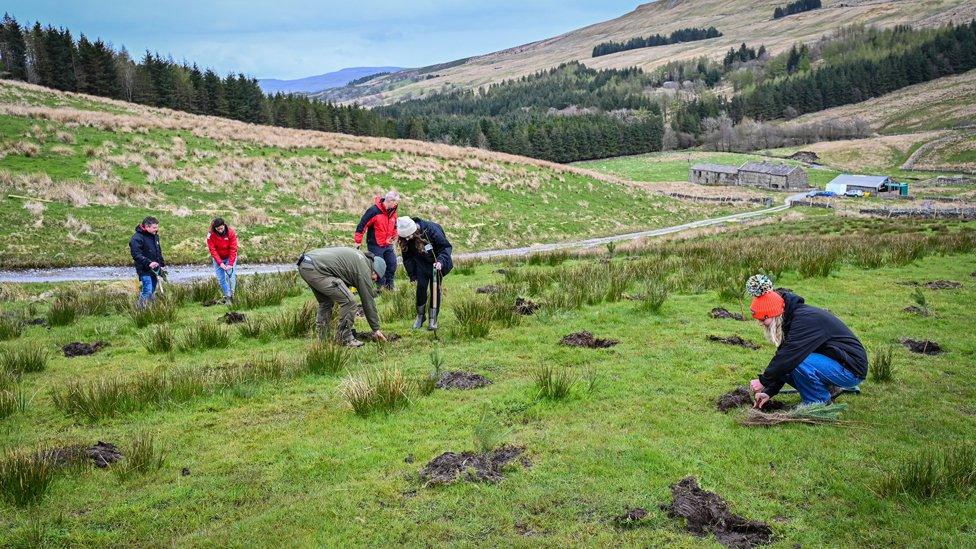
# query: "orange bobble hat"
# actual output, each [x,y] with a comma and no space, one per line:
[767,303]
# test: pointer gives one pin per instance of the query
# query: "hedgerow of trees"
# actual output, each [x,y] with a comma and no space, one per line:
[799,6]
[678,36]
[51,57]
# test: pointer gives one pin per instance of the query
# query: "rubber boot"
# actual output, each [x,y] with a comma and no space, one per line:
[433,320]
[421,317]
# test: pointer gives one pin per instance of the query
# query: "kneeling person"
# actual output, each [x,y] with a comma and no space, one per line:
[330,272]
[426,256]
[815,352]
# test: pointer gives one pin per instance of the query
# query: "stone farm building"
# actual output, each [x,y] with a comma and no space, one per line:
[767,175]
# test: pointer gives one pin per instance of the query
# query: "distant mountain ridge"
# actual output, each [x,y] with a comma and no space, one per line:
[329,80]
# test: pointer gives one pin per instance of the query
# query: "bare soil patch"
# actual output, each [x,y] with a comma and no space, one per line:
[525,307]
[943,285]
[631,518]
[78,348]
[924,347]
[915,310]
[721,312]
[586,339]
[487,467]
[734,340]
[101,455]
[740,397]
[233,317]
[706,513]
[462,380]
[489,289]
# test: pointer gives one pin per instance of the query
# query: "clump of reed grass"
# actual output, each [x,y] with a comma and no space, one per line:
[881,366]
[63,310]
[205,335]
[262,290]
[157,311]
[473,318]
[375,392]
[400,303]
[932,473]
[10,327]
[142,456]
[24,359]
[159,340]
[8,404]
[25,476]
[553,384]
[653,297]
[252,328]
[296,323]
[327,358]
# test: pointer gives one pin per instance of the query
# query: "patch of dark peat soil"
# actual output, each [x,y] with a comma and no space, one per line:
[586,339]
[233,318]
[101,454]
[462,380]
[525,307]
[924,347]
[739,397]
[487,467]
[720,312]
[78,348]
[631,518]
[915,310]
[734,340]
[943,285]
[489,289]
[706,513]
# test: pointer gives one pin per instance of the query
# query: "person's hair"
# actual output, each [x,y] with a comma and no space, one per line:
[218,221]
[774,332]
[392,195]
[149,220]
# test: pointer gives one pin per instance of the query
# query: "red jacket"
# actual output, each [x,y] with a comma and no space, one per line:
[223,246]
[378,223]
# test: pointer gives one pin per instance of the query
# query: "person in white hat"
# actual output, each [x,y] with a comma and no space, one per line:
[426,254]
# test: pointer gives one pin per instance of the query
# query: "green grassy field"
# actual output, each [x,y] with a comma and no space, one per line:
[263,462]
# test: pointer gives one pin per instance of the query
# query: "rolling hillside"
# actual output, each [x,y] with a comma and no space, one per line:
[739,21]
[78,172]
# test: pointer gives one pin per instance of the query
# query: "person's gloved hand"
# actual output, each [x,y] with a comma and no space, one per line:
[761,400]
[756,386]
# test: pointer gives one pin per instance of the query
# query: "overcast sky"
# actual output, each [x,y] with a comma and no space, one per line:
[296,38]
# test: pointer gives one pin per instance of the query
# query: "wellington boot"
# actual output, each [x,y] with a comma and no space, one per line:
[421,317]
[433,320]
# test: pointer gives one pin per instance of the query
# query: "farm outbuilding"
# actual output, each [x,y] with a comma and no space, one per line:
[713,174]
[769,175]
[872,184]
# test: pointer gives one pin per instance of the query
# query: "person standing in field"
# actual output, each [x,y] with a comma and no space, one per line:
[147,256]
[378,226]
[815,352]
[222,243]
[427,259]
[330,272]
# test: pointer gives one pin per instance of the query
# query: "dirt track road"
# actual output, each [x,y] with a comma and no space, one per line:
[179,273]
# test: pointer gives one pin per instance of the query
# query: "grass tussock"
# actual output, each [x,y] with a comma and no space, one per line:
[554,384]
[25,477]
[159,340]
[375,392]
[25,359]
[473,318]
[142,456]
[653,297]
[297,323]
[327,358]
[10,327]
[932,473]
[8,404]
[63,311]
[400,303]
[158,311]
[205,335]
[264,290]
[881,371]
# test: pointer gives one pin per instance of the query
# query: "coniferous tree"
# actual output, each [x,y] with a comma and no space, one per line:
[13,49]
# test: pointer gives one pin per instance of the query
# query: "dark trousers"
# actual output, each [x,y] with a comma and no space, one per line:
[424,278]
[388,255]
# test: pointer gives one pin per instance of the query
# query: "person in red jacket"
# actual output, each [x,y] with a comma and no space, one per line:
[378,225]
[222,242]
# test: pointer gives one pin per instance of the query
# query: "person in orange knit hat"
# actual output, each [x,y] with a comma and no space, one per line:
[815,352]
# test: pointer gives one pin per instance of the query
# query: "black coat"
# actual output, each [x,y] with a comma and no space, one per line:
[808,330]
[144,247]
[416,260]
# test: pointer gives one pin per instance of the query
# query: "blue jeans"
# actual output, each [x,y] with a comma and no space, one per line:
[148,288]
[813,375]
[388,255]
[227,280]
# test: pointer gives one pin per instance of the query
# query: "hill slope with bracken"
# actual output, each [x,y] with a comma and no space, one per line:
[739,21]
[78,172]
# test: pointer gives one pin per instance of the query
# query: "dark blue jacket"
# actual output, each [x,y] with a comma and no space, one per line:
[808,330]
[415,259]
[144,247]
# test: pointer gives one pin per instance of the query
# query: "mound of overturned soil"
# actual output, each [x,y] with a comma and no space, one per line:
[489,289]
[733,340]
[462,380]
[37,322]
[740,397]
[101,454]
[720,312]
[586,339]
[525,307]
[78,348]
[915,310]
[487,467]
[212,302]
[924,346]
[234,318]
[707,513]
[631,518]
[368,336]
[943,285]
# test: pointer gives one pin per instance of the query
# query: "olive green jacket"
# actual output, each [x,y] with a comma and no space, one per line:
[354,269]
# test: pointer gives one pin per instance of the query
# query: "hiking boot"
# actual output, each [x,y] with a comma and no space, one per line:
[354,343]
[421,317]
[228,300]
[433,320]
